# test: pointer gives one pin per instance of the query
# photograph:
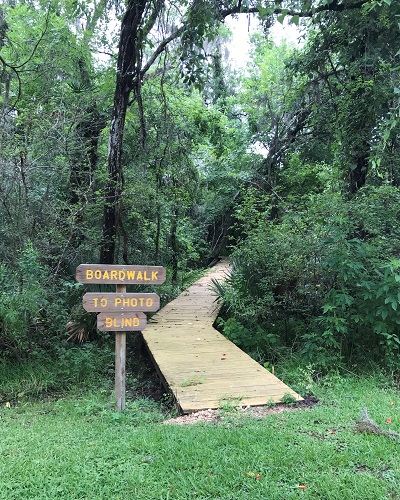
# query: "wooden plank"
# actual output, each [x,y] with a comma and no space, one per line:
[108,302]
[200,366]
[117,274]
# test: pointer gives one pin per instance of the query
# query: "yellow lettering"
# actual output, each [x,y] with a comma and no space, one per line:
[149,302]
[154,276]
[97,274]
[121,275]
[116,322]
[126,302]
[103,302]
[136,321]
[131,275]
[139,276]
[146,278]
[127,321]
[95,300]
[113,275]
[117,301]
[89,274]
[134,302]
[106,275]
[108,322]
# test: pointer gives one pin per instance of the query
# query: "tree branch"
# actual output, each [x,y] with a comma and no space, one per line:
[36,44]
[159,50]
[333,6]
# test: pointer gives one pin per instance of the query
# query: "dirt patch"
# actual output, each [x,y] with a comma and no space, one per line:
[215,416]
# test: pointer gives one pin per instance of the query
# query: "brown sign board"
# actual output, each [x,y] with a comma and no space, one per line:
[122,275]
[118,302]
[119,322]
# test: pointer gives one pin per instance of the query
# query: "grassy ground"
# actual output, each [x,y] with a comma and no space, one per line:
[77,447]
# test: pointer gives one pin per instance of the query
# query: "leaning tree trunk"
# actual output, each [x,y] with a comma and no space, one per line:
[358,174]
[127,69]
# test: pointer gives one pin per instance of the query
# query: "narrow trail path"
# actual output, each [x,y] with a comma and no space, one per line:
[199,365]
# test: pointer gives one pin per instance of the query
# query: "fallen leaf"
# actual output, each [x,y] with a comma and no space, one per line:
[392,403]
[331,432]
[258,477]
[389,420]
[8,405]
[302,486]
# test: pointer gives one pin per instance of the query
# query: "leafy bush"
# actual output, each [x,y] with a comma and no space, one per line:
[34,307]
[23,299]
[324,280]
[256,341]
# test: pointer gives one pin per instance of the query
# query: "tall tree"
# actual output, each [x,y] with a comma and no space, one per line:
[197,23]
[351,63]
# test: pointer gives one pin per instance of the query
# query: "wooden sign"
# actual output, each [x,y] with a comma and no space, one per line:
[120,312]
[121,322]
[108,302]
[123,275]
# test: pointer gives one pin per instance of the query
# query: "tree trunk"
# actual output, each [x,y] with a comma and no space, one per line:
[127,69]
[358,174]
[174,247]
[158,235]
[84,161]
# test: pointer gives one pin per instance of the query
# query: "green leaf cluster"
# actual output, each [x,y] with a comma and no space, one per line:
[322,278]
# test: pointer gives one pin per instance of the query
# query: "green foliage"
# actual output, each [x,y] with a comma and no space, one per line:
[64,367]
[313,272]
[82,365]
[257,342]
[323,280]
[353,76]
[23,300]
[288,399]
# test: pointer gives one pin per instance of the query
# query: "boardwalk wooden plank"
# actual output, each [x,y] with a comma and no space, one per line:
[200,366]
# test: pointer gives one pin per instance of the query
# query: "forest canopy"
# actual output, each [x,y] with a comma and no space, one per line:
[127,137]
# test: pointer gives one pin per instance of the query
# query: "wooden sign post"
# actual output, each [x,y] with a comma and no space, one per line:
[120,312]
[120,364]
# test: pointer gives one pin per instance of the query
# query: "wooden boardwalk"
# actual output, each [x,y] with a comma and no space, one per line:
[199,365]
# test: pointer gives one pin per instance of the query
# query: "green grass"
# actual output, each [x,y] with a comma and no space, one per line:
[79,448]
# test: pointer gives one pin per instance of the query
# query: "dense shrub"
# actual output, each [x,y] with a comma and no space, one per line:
[323,280]
[33,305]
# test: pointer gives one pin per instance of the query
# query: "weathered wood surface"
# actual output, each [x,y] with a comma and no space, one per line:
[199,365]
[120,364]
